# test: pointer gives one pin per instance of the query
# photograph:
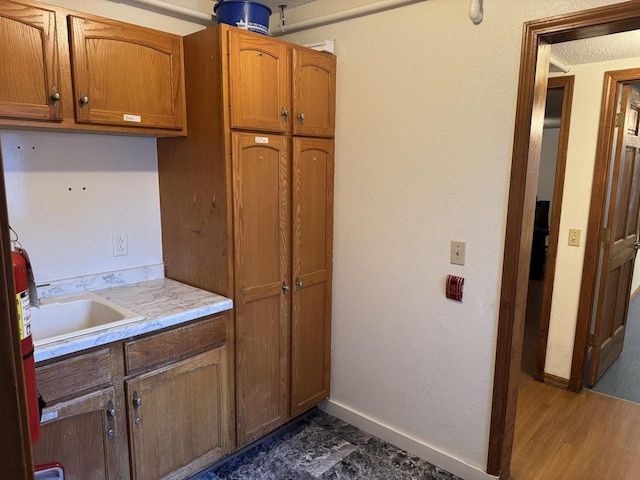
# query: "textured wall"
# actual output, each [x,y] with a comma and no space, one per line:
[425,115]
[68,193]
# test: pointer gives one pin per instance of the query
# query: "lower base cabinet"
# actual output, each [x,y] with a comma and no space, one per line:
[81,435]
[163,398]
[175,417]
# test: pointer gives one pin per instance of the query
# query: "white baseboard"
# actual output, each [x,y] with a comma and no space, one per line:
[403,441]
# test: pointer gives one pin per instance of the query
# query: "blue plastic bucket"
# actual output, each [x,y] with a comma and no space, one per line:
[247,15]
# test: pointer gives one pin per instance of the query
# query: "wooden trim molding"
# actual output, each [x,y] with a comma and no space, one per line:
[566,84]
[555,381]
[596,221]
[589,23]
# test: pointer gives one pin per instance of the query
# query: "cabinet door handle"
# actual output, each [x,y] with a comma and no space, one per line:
[84,101]
[137,401]
[55,96]
[299,283]
[111,411]
[301,117]
[284,113]
[285,287]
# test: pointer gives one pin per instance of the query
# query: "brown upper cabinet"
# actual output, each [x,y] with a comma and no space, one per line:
[314,93]
[125,75]
[65,70]
[278,87]
[259,91]
[29,63]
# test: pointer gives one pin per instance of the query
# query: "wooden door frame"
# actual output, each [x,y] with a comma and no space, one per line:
[615,18]
[612,80]
[566,84]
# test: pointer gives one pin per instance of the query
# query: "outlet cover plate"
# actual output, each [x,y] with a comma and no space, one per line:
[120,245]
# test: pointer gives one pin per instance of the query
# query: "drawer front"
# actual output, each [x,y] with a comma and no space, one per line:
[74,375]
[175,344]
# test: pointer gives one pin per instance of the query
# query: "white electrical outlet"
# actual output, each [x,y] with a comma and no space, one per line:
[458,252]
[120,245]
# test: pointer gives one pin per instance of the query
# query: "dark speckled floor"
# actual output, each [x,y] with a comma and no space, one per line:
[324,447]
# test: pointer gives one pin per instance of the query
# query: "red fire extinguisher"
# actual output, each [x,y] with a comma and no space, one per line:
[26,342]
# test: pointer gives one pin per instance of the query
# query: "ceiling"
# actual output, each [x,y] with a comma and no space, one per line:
[598,49]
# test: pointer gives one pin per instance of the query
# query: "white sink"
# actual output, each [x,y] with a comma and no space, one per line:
[70,316]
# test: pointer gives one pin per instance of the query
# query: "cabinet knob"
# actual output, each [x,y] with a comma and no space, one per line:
[284,113]
[137,401]
[111,411]
[84,101]
[299,283]
[55,96]
[285,287]
[301,117]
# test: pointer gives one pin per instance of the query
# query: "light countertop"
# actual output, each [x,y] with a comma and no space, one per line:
[163,303]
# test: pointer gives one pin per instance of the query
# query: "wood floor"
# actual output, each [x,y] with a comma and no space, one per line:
[566,436]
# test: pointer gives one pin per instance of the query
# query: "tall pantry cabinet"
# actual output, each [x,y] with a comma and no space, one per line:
[247,212]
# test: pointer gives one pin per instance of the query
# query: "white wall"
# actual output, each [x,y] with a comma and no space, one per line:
[583,136]
[138,16]
[68,193]
[425,115]
[635,281]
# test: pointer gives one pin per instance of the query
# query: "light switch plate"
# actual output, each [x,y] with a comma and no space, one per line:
[574,237]
[458,252]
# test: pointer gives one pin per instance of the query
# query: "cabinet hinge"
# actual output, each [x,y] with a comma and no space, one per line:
[593,340]
[620,119]
[606,234]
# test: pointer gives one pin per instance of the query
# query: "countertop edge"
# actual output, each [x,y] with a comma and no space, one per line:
[212,304]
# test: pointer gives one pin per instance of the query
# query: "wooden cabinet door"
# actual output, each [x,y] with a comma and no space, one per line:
[258,82]
[126,75]
[261,226]
[314,93]
[177,417]
[81,435]
[28,63]
[313,166]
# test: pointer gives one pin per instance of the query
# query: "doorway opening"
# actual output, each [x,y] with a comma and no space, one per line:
[544,246]
[537,38]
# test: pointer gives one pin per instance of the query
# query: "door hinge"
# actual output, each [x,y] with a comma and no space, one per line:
[593,340]
[606,234]
[620,119]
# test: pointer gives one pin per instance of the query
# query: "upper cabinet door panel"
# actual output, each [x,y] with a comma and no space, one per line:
[126,75]
[29,63]
[314,93]
[258,82]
